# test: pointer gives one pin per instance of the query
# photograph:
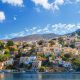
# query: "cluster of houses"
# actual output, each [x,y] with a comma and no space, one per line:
[38,52]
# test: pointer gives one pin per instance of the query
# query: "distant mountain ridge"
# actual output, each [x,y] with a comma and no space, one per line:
[48,36]
[35,37]
[75,32]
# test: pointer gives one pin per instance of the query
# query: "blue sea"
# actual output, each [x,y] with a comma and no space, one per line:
[26,76]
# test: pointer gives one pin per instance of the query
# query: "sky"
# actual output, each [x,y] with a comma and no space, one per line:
[26,17]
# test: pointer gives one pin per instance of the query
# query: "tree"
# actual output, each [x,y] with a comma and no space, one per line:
[4,57]
[1,45]
[6,51]
[42,69]
[61,41]
[66,44]
[1,57]
[53,57]
[52,42]
[41,42]
[32,51]
[72,45]
[76,63]
[25,44]
[67,55]
[10,43]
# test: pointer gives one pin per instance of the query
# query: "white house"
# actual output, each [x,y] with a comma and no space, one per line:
[30,59]
[23,59]
[67,64]
[57,51]
[2,51]
[61,62]
[9,62]
[35,63]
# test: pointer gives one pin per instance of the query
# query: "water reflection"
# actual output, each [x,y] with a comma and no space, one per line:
[2,76]
[58,76]
[22,76]
[39,76]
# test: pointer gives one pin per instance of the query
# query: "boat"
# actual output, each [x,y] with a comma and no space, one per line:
[7,71]
[32,71]
[13,71]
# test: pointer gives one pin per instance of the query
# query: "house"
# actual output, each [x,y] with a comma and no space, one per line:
[14,52]
[25,50]
[70,50]
[9,62]
[58,59]
[23,59]
[39,64]
[36,64]
[67,64]
[77,44]
[66,50]
[34,61]
[50,59]
[30,59]
[2,51]
[41,59]
[39,49]
[57,51]
[13,49]
[47,54]
[69,40]
[1,65]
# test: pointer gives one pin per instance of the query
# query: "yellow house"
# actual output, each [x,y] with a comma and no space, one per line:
[70,50]
[1,65]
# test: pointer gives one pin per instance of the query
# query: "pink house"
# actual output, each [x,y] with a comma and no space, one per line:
[77,44]
[69,39]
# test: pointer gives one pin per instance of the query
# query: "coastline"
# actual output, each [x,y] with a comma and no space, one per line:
[36,72]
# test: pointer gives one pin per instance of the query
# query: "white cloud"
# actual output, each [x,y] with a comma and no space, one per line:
[14,18]
[34,28]
[43,3]
[57,3]
[54,5]
[26,30]
[46,28]
[77,1]
[72,1]
[13,35]
[49,6]
[18,34]
[2,16]
[55,28]
[64,28]
[14,2]
[39,30]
